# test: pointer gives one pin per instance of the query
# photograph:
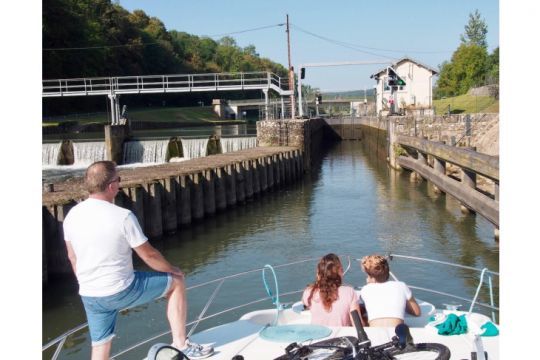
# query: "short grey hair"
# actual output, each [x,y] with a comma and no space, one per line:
[99,175]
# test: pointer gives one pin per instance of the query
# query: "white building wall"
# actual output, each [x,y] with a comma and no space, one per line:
[417,92]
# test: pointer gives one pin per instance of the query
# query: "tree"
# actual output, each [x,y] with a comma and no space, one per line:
[467,68]
[475,31]
[493,66]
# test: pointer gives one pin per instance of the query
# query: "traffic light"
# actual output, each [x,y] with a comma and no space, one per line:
[318,99]
[393,78]
[302,73]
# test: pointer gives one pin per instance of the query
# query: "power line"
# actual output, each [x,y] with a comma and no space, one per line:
[247,30]
[340,43]
[358,47]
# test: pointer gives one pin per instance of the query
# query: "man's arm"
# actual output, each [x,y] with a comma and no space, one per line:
[71,256]
[153,258]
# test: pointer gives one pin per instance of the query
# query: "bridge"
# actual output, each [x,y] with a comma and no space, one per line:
[113,87]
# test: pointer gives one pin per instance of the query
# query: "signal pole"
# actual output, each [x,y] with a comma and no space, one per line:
[291,71]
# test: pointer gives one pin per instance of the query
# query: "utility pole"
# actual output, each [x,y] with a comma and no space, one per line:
[291,70]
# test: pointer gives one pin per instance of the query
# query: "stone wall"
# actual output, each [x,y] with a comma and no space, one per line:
[468,130]
[307,134]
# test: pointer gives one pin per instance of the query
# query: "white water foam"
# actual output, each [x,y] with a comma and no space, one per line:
[85,153]
[236,144]
[194,148]
[49,153]
[148,151]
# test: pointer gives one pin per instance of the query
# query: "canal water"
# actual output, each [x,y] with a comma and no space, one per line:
[351,204]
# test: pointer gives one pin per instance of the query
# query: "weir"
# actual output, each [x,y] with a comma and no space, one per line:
[194,148]
[148,151]
[50,153]
[85,153]
[237,143]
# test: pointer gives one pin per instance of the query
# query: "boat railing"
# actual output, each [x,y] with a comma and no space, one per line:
[219,282]
[472,302]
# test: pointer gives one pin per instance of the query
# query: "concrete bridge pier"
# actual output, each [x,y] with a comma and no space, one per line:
[115,109]
[266,103]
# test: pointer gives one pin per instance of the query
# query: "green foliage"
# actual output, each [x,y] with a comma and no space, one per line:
[87,38]
[470,65]
[475,31]
[467,68]
[493,66]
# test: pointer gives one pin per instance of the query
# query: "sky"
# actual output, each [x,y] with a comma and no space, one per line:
[332,31]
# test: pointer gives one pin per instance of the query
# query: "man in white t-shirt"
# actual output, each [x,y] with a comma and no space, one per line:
[385,300]
[99,238]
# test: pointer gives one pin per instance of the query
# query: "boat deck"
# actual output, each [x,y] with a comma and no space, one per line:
[242,337]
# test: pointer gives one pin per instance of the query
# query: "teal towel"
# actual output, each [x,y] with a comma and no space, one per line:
[453,325]
[490,329]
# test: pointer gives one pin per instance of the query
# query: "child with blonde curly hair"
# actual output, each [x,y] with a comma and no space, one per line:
[385,300]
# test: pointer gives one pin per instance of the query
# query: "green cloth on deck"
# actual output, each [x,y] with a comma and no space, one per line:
[453,325]
[490,329]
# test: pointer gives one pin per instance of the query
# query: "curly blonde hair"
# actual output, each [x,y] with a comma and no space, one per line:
[377,267]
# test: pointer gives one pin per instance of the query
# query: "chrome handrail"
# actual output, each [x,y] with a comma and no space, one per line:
[60,340]
[480,282]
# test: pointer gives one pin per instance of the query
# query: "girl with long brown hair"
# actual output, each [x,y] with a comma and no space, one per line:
[329,301]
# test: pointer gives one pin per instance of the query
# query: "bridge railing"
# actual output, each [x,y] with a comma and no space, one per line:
[163,83]
[77,87]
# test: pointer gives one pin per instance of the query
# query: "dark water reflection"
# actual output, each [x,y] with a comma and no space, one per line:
[352,204]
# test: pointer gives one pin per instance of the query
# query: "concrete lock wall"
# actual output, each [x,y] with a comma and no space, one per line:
[308,135]
[467,130]
[186,192]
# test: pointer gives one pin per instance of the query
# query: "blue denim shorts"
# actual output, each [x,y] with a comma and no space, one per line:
[101,311]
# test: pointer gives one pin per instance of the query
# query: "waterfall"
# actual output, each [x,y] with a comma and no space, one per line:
[235,144]
[85,153]
[148,151]
[49,153]
[194,148]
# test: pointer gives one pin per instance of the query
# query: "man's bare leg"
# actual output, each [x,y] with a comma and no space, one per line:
[177,311]
[102,351]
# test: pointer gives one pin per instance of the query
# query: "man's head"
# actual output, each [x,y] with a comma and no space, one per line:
[376,266]
[100,176]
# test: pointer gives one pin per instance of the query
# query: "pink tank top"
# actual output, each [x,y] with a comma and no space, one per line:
[338,315]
